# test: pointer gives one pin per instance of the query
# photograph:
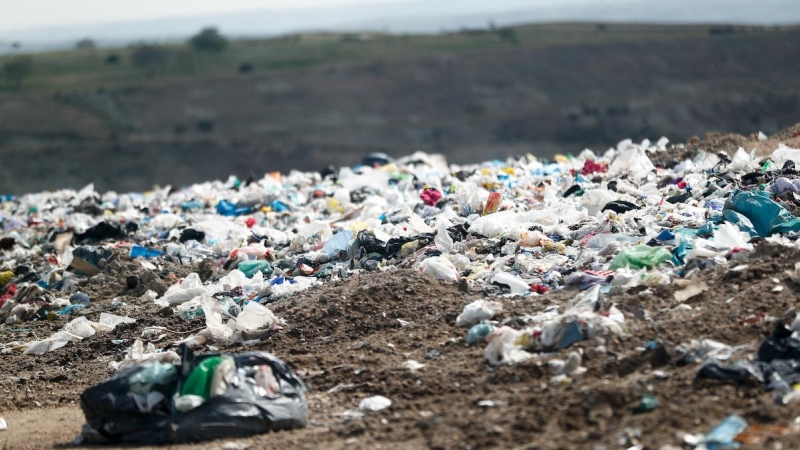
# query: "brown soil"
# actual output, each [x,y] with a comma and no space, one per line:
[350,339]
[727,143]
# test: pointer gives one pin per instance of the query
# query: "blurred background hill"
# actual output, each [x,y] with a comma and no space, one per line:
[158,101]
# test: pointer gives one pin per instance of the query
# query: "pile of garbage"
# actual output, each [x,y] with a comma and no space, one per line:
[517,227]
[598,223]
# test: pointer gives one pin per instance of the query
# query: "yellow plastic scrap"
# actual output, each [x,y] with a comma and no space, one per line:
[560,158]
[334,206]
[526,340]
[6,277]
[509,171]
[357,226]
[549,245]
[409,248]
[390,168]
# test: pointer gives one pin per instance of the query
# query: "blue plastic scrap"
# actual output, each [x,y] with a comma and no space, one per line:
[768,217]
[722,435]
[226,208]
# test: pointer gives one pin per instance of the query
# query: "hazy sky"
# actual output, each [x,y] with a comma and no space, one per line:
[42,23]
[25,14]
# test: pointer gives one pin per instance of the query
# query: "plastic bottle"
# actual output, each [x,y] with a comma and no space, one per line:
[199,380]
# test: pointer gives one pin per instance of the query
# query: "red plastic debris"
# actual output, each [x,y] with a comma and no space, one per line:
[590,167]
[540,288]
[492,203]
[11,291]
[430,196]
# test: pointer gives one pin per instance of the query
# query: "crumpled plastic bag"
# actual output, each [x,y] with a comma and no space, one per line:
[478,311]
[641,256]
[189,288]
[768,217]
[439,267]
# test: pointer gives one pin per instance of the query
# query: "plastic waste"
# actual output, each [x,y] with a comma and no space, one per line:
[338,243]
[439,267]
[516,285]
[138,353]
[767,216]
[255,317]
[478,333]
[199,380]
[374,404]
[649,403]
[640,256]
[189,288]
[723,434]
[477,311]
[226,208]
[100,232]
[430,196]
[138,251]
[250,268]
[79,298]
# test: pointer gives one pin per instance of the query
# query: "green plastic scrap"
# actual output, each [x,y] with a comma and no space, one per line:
[767,216]
[649,403]
[199,380]
[641,256]
[249,268]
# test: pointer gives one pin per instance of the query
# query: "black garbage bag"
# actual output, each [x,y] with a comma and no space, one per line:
[679,198]
[100,232]
[112,412]
[620,206]
[740,372]
[370,243]
[779,346]
[190,234]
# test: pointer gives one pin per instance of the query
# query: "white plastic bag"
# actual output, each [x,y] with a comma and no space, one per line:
[439,267]
[477,311]
[254,317]
[189,288]
[517,286]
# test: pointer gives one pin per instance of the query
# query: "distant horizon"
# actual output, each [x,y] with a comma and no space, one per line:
[399,17]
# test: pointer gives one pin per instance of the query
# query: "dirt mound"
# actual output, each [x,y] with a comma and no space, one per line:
[727,143]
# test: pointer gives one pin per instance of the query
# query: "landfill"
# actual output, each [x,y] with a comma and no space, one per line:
[582,298]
